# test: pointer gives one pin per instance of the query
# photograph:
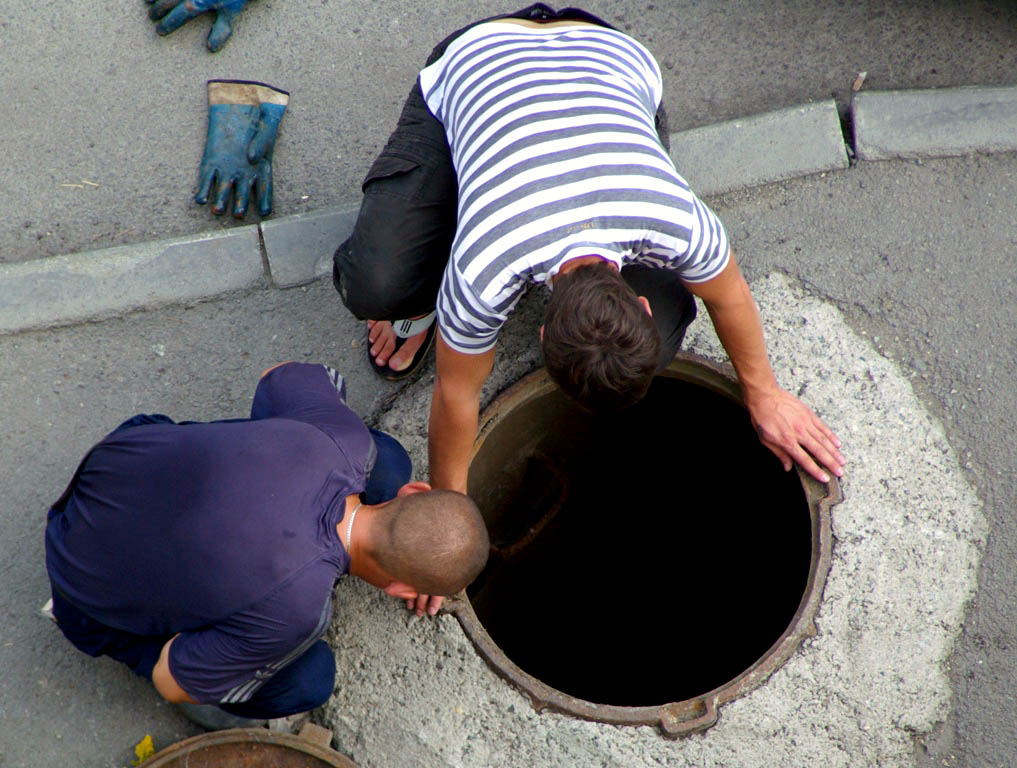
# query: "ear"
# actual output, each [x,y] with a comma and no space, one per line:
[417,486]
[646,304]
[401,590]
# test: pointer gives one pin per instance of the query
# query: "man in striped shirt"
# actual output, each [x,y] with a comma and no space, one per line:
[532,150]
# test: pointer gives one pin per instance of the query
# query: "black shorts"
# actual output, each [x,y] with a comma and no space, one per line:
[391,266]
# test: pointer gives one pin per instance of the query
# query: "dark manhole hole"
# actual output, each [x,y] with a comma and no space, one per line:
[648,567]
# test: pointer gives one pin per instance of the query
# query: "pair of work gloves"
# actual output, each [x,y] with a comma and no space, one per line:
[243,116]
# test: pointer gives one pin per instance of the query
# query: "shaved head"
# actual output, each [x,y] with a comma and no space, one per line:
[434,541]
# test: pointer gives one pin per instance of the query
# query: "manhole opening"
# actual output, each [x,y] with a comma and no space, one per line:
[641,559]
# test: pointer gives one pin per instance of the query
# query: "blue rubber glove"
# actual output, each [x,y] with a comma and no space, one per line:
[173,14]
[243,121]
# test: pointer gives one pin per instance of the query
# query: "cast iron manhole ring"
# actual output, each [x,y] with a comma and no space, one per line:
[696,713]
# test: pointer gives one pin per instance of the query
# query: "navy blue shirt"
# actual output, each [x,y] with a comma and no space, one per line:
[223,531]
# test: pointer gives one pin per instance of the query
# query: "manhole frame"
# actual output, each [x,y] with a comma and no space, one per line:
[313,741]
[700,712]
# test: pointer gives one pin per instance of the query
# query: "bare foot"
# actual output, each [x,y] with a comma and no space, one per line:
[382,339]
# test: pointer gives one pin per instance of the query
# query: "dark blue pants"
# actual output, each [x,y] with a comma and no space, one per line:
[391,470]
[303,684]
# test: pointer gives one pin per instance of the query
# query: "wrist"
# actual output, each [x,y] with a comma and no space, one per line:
[755,393]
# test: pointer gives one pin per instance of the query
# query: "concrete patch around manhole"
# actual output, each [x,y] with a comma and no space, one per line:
[906,546]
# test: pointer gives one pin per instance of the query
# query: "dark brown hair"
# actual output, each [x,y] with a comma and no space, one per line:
[600,345]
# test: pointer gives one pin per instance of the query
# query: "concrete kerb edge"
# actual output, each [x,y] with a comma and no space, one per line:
[296,250]
[762,149]
[935,122]
[79,287]
[299,248]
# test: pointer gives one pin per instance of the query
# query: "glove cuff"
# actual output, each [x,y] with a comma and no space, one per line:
[246,92]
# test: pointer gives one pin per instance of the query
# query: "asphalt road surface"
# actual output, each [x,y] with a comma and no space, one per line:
[919,256]
[105,122]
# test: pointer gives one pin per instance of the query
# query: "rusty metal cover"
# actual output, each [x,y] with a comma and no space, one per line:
[253,748]
[700,712]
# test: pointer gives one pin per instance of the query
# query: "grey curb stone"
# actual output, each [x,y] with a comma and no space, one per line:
[86,286]
[300,247]
[940,122]
[774,146]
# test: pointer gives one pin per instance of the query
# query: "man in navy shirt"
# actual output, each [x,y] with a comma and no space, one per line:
[203,555]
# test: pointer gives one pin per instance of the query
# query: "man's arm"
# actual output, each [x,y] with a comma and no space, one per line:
[455,408]
[164,682]
[785,425]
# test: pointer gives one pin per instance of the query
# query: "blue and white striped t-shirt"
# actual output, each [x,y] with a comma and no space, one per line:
[553,140]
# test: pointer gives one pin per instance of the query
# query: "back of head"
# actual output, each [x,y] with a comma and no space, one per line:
[435,541]
[600,345]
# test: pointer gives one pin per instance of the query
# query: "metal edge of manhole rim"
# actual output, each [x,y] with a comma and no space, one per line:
[699,712]
[313,741]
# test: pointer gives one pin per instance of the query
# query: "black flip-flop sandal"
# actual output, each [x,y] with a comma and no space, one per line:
[405,329]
